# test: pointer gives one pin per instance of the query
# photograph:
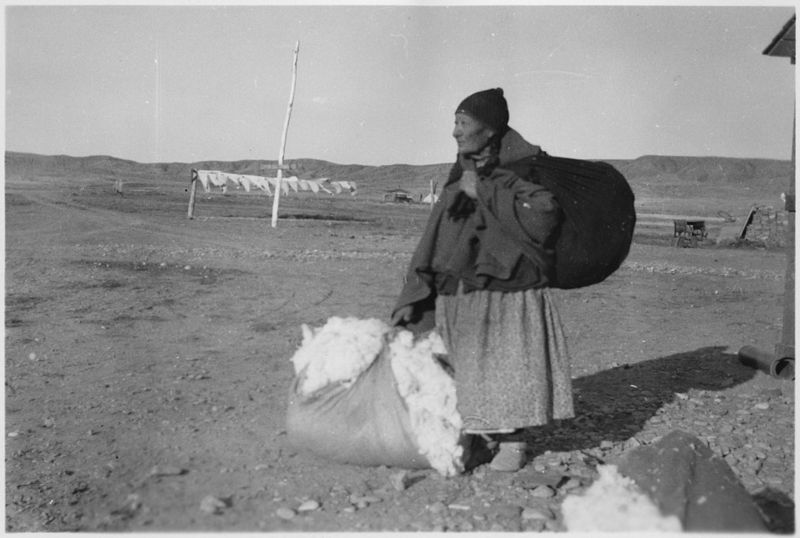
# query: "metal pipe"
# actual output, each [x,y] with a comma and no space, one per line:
[780,367]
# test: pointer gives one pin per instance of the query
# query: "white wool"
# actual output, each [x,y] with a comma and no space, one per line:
[430,395]
[343,348]
[338,351]
[614,503]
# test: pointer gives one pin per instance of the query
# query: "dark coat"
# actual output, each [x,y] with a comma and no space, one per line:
[505,244]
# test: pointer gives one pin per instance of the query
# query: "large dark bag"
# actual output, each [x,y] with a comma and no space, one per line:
[599,216]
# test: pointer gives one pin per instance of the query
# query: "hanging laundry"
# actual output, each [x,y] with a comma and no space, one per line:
[261,183]
[292,182]
[217,179]
[209,178]
[244,181]
[202,177]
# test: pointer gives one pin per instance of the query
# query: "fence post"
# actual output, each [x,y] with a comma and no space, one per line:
[192,192]
[276,198]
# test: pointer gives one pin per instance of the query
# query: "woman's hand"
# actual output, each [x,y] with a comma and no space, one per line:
[469,176]
[402,315]
[468,184]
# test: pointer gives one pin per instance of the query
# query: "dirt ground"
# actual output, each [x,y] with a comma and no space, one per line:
[147,369]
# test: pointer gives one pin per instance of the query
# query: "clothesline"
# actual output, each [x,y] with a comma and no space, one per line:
[220,179]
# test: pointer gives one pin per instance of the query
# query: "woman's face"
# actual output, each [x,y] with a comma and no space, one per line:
[471,135]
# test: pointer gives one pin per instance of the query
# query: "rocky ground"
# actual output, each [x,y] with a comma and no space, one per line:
[147,370]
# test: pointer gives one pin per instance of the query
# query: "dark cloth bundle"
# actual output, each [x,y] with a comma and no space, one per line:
[592,239]
[599,216]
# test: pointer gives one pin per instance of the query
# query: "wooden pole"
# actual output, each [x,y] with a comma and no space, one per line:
[192,191]
[276,198]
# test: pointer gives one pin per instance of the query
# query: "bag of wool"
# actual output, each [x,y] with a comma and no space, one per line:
[367,394]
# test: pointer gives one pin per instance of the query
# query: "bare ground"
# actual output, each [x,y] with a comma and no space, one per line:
[147,368]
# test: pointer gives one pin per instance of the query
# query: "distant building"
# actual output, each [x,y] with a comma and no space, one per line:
[398,195]
[430,198]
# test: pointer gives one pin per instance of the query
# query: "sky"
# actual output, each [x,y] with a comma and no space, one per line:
[378,84]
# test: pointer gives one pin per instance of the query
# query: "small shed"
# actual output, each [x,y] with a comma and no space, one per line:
[398,195]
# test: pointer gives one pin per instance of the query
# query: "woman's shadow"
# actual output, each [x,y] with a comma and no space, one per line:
[615,404]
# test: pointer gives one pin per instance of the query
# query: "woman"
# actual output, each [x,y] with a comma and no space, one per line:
[481,273]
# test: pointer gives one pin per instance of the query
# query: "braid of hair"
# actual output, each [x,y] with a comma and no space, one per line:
[493,161]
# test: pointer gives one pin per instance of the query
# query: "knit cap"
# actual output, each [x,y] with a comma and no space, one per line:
[488,107]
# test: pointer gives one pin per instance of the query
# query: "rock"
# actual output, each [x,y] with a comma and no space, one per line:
[774,480]
[633,442]
[399,480]
[543,492]
[129,508]
[535,525]
[437,507]
[308,506]
[213,505]
[537,513]
[763,406]
[572,483]
[285,513]
[530,480]
[605,445]
[167,470]
[678,471]
[553,525]
[364,500]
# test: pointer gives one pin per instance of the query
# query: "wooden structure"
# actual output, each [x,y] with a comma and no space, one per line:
[277,197]
[398,195]
[782,45]
[689,233]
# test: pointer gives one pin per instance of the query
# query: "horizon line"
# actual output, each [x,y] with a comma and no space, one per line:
[105,155]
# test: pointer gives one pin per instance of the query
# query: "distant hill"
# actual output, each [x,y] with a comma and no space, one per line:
[373,181]
[705,169]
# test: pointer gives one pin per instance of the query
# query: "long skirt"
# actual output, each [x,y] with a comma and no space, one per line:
[509,356]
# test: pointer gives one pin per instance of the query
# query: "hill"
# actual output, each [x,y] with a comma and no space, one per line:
[644,173]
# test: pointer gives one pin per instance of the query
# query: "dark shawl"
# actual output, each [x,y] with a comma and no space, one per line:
[504,244]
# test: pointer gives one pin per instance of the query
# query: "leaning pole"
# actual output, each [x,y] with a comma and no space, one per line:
[279,184]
